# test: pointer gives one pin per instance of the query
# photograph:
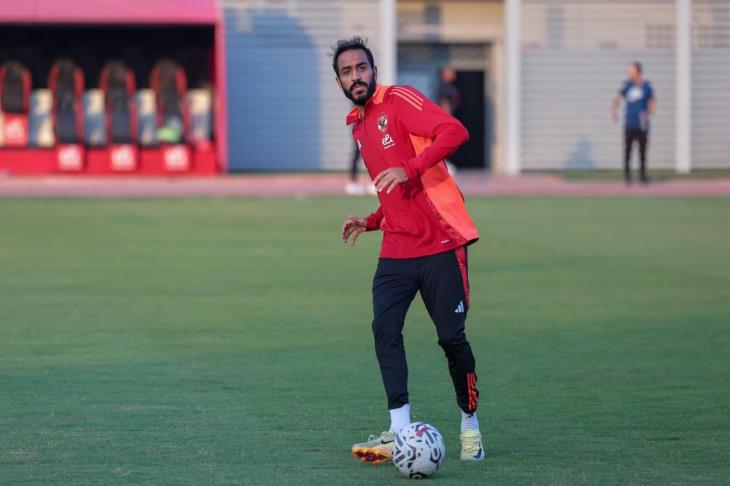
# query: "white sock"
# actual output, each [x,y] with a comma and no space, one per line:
[469,421]
[399,418]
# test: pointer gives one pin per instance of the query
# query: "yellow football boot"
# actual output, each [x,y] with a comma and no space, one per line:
[471,446]
[377,449]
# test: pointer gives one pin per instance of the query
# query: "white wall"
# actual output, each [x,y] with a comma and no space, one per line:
[574,59]
[711,84]
[466,22]
[285,110]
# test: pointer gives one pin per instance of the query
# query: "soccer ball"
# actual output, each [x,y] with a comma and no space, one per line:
[419,450]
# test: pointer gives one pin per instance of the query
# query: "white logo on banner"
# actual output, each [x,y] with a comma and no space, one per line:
[14,129]
[176,158]
[69,157]
[123,158]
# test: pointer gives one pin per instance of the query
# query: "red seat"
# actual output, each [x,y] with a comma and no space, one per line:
[15,86]
[169,83]
[118,84]
[66,82]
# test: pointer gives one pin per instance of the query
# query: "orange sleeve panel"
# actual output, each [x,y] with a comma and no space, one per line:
[445,195]
[426,119]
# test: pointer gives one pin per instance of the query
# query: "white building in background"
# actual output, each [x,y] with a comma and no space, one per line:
[537,77]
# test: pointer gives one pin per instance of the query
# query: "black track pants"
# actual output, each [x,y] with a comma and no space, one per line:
[442,280]
[642,137]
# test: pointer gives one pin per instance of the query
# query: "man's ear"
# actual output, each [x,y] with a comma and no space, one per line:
[375,73]
[337,78]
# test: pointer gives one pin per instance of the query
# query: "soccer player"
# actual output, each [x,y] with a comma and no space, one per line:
[640,106]
[404,139]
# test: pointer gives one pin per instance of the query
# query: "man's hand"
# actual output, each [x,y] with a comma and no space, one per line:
[615,105]
[644,120]
[389,179]
[352,227]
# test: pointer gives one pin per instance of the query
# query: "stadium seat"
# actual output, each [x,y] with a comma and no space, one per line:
[118,83]
[66,82]
[15,86]
[168,81]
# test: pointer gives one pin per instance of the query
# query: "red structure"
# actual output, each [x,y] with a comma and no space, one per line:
[15,86]
[120,122]
[66,83]
[130,21]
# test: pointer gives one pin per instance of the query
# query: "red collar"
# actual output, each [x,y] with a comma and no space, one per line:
[376,99]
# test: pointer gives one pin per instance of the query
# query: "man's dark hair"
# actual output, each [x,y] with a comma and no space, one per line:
[637,65]
[348,45]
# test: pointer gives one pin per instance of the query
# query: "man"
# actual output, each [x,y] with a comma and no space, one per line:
[353,187]
[448,94]
[640,106]
[403,139]
[449,98]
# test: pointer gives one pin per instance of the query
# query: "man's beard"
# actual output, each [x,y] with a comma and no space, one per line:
[364,98]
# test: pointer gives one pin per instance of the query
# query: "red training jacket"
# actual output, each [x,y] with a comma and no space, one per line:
[425,215]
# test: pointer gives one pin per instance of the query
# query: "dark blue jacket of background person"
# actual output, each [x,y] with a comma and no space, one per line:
[637,104]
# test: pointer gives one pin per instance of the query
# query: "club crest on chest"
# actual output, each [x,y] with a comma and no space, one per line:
[383,123]
[387,140]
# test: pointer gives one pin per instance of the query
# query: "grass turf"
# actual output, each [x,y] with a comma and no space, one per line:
[228,342]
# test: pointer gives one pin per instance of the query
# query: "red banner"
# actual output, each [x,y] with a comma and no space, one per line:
[15,130]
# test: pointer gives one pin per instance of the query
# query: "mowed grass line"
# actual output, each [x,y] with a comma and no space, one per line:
[228,341]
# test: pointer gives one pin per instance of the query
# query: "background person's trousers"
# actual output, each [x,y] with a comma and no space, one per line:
[642,137]
[442,280]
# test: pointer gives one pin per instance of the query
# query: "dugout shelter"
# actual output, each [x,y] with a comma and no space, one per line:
[108,87]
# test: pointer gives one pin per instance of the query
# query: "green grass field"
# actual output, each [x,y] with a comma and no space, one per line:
[228,342]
